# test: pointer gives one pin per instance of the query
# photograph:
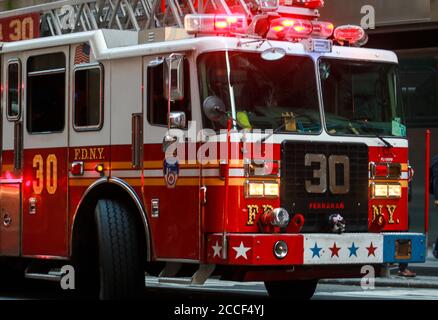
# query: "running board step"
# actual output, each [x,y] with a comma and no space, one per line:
[54,275]
[199,278]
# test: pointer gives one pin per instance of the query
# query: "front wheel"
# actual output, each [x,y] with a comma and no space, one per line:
[291,290]
[120,260]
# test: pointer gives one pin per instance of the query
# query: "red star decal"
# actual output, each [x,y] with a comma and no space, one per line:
[335,250]
[371,250]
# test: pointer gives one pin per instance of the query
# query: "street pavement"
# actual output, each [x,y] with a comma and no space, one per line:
[422,287]
[427,276]
[215,291]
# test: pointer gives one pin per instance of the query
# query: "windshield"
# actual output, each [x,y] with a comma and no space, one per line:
[361,98]
[262,94]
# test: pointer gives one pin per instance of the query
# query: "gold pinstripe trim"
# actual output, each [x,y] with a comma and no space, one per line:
[136,182]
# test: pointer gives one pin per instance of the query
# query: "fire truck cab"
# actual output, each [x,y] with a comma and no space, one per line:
[269,148]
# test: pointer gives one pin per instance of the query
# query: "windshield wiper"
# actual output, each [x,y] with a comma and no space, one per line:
[262,140]
[386,142]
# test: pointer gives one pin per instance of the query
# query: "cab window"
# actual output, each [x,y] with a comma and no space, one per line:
[157,101]
[46,93]
[14,90]
[88,93]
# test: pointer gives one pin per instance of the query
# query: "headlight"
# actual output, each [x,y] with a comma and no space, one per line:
[380,190]
[255,189]
[271,189]
[394,191]
[261,189]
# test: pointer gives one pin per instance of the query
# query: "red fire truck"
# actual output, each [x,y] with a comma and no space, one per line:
[243,139]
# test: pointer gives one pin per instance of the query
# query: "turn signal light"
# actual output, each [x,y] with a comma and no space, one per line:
[100,168]
[386,170]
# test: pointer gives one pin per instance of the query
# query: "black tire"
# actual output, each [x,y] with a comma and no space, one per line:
[120,261]
[291,290]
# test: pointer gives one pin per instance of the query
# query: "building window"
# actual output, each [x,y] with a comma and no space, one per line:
[46,93]
[157,102]
[419,82]
[88,98]
[14,90]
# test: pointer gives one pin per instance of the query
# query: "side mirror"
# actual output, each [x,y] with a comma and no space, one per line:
[177,120]
[174,77]
[214,109]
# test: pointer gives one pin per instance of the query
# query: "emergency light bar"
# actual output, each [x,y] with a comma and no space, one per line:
[215,23]
[289,29]
[310,4]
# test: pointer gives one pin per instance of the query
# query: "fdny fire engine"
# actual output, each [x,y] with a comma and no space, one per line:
[300,173]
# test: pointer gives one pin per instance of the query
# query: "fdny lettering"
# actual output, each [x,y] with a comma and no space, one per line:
[89,154]
[326,205]
[379,215]
[253,211]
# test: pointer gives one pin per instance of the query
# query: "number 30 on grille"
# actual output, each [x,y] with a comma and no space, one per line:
[321,174]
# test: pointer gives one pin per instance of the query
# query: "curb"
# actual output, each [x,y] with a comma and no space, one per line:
[385,282]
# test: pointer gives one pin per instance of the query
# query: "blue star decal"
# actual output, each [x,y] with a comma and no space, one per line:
[353,250]
[315,251]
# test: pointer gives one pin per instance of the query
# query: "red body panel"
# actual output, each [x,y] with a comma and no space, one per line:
[45,232]
[178,231]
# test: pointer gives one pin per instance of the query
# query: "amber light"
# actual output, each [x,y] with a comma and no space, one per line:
[100,168]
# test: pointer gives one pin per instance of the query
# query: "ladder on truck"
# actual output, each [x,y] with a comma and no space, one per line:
[68,16]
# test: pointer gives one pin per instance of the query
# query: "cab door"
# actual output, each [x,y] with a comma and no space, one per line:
[11,156]
[171,184]
[45,152]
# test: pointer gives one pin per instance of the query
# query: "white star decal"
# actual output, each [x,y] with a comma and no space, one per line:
[241,251]
[217,249]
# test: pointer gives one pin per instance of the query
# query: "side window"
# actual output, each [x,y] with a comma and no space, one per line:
[88,98]
[14,90]
[46,93]
[157,102]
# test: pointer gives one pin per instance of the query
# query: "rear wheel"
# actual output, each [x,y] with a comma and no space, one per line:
[120,260]
[291,290]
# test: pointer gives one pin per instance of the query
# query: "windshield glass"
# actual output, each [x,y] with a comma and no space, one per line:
[262,94]
[361,98]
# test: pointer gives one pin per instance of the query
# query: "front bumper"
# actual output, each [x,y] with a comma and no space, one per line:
[317,249]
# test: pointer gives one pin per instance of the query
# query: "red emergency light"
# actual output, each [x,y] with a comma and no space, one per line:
[349,34]
[289,28]
[309,4]
[322,29]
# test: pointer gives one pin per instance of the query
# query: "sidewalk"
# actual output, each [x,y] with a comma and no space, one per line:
[427,277]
